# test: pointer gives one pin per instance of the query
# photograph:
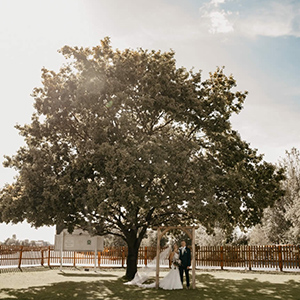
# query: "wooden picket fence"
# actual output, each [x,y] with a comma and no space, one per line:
[250,257]
[274,257]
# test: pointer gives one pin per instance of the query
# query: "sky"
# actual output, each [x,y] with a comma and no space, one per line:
[257,41]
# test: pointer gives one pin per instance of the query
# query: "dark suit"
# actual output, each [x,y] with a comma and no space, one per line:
[185,258]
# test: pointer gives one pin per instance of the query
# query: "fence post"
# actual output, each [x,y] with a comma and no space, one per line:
[123,256]
[42,257]
[99,258]
[20,257]
[49,257]
[249,258]
[74,259]
[280,257]
[222,257]
[298,257]
[145,257]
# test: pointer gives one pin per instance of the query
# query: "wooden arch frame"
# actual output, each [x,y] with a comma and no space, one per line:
[190,231]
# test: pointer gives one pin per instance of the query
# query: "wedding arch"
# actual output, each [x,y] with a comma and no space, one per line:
[190,231]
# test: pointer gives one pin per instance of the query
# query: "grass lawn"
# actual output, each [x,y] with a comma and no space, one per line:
[210,286]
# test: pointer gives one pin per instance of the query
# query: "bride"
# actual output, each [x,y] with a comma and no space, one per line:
[170,282]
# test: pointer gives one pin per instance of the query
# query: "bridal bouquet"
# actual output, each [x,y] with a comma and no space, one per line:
[177,262]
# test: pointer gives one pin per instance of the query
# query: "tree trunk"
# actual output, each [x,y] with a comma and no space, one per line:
[133,241]
[132,258]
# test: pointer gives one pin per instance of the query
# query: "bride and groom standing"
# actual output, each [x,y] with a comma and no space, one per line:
[181,262]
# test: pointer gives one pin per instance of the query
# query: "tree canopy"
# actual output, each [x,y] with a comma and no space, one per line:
[124,140]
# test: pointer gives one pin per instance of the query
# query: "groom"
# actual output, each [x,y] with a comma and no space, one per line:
[185,257]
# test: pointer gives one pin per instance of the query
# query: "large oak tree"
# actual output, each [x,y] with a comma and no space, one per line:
[125,140]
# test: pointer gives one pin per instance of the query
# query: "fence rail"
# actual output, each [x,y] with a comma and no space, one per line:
[277,257]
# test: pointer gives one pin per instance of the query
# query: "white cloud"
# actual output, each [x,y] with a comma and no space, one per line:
[274,20]
[217,2]
[219,22]
[269,18]
[216,18]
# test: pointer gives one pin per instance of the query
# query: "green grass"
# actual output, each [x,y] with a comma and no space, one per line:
[208,288]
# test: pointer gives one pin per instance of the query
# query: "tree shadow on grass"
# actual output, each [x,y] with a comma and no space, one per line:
[87,275]
[208,288]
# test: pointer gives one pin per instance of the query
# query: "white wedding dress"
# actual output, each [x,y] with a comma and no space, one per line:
[170,282]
